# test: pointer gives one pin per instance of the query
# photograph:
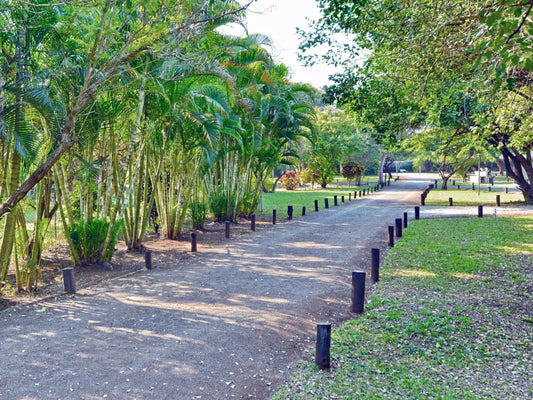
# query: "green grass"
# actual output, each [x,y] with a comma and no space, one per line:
[279,200]
[450,319]
[469,197]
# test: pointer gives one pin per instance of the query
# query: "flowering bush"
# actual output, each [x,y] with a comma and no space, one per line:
[353,170]
[290,180]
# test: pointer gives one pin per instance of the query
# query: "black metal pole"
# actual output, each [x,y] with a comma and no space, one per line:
[148,260]
[193,242]
[323,345]
[358,292]
[375,265]
[68,280]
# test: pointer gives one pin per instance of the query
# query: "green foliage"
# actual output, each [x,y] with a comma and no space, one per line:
[220,205]
[198,214]
[88,239]
[290,180]
[353,170]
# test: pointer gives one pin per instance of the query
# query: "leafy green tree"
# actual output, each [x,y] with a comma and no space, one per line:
[336,138]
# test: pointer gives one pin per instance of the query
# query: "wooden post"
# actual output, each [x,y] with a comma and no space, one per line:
[375,265]
[450,201]
[358,292]
[498,201]
[148,260]
[342,199]
[391,236]
[398,223]
[323,345]
[253,222]
[480,211]
[350,196]
[405,217]
[326,203]
[68,280]
[316,205]
[273,217]
[335,200]
[227,229]
[303,210]
[289,212]
[193,242]
[417,212]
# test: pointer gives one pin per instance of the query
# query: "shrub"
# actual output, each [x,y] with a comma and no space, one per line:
[353,170]
[88,239]
[218,203]
[290,180]
[198,213]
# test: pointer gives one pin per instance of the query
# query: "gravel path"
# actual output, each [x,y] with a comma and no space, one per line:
[230,322]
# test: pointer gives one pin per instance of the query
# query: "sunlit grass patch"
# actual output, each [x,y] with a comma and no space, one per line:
[449,319]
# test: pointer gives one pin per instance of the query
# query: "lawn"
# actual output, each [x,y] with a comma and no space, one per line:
[451,318]
[469,197]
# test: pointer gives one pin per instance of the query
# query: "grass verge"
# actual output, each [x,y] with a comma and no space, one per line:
[451,318]
[468,197]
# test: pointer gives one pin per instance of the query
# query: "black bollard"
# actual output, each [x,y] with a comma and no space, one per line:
[289,212]
[316,205]
[342,199]
[417,212]
[326,203]
[375,265]
[498,201]
[303,211]
[350,196]
[458,187]
[227,229]
[68,280]
[405,216]
[453,182]
[398,223]
[480,211]
[358,292]
[490,189]
[435,182]
[253,222]
[193,242]
[364,194]
[391,236]
[506,190]
[148,260]
[273,217]
[323,345]
[450,201]
[335,200]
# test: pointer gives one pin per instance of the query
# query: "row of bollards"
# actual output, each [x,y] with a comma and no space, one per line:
[357,303]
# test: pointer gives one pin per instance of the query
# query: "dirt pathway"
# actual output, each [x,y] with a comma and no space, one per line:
[230,322]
